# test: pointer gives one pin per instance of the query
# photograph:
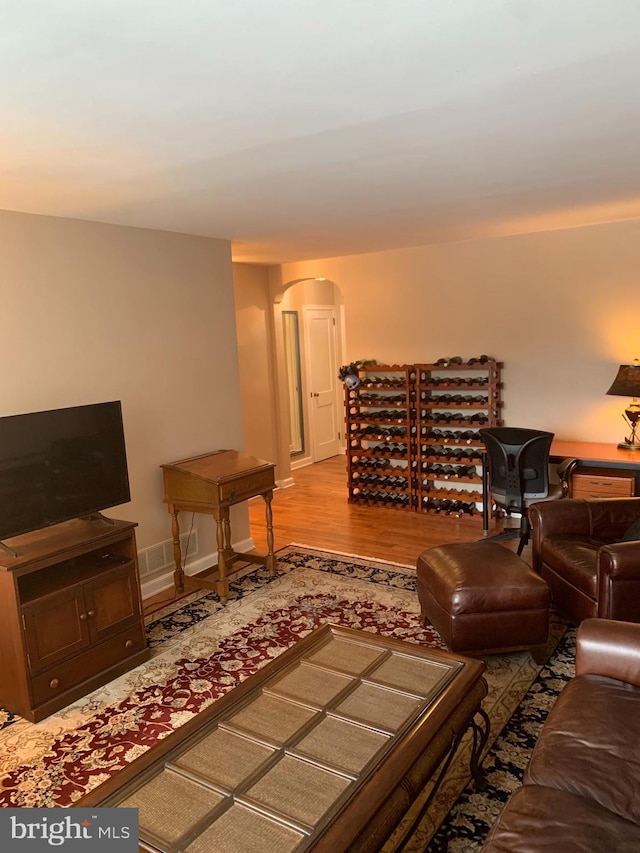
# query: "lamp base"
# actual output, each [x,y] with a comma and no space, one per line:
[627,446]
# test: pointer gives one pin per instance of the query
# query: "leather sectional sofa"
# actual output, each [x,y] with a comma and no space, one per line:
[581,789]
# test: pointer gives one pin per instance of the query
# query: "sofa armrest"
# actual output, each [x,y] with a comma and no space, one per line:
[610,648]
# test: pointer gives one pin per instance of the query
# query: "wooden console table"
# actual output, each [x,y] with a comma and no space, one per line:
[211,484]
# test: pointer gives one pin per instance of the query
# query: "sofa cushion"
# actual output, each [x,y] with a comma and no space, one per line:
[588,745]
[541,820]
[574,559]
[632,533]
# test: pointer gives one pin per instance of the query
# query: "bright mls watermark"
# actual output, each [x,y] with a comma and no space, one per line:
[70,830]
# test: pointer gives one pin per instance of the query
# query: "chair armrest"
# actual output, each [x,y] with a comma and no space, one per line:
[565,471]
[621,560]
[609,648]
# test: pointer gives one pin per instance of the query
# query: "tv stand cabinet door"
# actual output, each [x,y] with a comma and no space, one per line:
[55,627]
[112,602]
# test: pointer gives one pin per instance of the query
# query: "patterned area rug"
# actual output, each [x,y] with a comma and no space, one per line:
[201,650]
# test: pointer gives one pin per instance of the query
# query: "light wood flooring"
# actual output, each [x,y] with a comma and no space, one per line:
[315,512]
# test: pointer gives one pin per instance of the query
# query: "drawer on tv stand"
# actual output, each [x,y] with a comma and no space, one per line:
[62,678]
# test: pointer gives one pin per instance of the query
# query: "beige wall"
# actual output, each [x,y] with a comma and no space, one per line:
[94,312]
[559,308]
[254,319]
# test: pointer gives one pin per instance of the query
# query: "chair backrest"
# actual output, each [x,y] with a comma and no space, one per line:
[518,463]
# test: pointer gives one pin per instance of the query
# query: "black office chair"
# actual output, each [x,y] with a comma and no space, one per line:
[518,475]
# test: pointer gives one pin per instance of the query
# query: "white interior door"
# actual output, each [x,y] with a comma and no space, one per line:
[320,328]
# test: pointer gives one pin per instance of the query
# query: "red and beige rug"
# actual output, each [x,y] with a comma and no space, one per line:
[201,650]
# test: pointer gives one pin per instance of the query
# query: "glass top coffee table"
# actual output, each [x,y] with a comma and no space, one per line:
[323,749]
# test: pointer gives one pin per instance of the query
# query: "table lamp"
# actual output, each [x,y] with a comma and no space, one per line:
[627,384]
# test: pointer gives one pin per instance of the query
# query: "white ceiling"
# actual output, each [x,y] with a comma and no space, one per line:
[311,128]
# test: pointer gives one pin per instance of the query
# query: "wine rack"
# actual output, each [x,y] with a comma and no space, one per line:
[412,435]
[381,433]
[453,401]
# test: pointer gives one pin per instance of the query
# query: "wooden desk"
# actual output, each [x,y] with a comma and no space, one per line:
[211,484]
[589,455]
[603,470]
[592,454]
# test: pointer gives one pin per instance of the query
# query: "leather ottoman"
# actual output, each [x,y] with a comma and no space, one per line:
[482,598]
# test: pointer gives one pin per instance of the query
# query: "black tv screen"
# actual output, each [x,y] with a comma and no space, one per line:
[61,464]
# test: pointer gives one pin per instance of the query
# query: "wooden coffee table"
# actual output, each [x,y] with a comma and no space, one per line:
[323,749]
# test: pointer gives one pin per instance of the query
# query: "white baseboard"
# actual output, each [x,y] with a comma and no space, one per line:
[301,463]
[286,483]
[159,583]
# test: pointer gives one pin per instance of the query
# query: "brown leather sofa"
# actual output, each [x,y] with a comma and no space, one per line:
[577,550]
[580,790]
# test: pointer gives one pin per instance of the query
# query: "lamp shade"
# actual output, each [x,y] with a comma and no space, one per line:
[627,381]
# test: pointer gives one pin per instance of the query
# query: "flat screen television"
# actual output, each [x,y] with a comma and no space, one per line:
[61,464]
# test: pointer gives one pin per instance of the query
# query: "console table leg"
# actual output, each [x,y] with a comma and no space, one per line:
[223,583]
[271,557]
[178,575]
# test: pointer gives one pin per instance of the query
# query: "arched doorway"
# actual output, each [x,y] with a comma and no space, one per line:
[313,395]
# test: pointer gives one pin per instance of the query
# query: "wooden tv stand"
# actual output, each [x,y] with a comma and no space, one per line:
[71,616]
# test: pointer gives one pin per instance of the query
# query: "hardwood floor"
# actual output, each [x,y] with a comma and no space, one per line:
[315,512]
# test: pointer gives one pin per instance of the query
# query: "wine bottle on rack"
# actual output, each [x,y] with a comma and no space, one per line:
[454,509]
[469,436]
[467,471]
